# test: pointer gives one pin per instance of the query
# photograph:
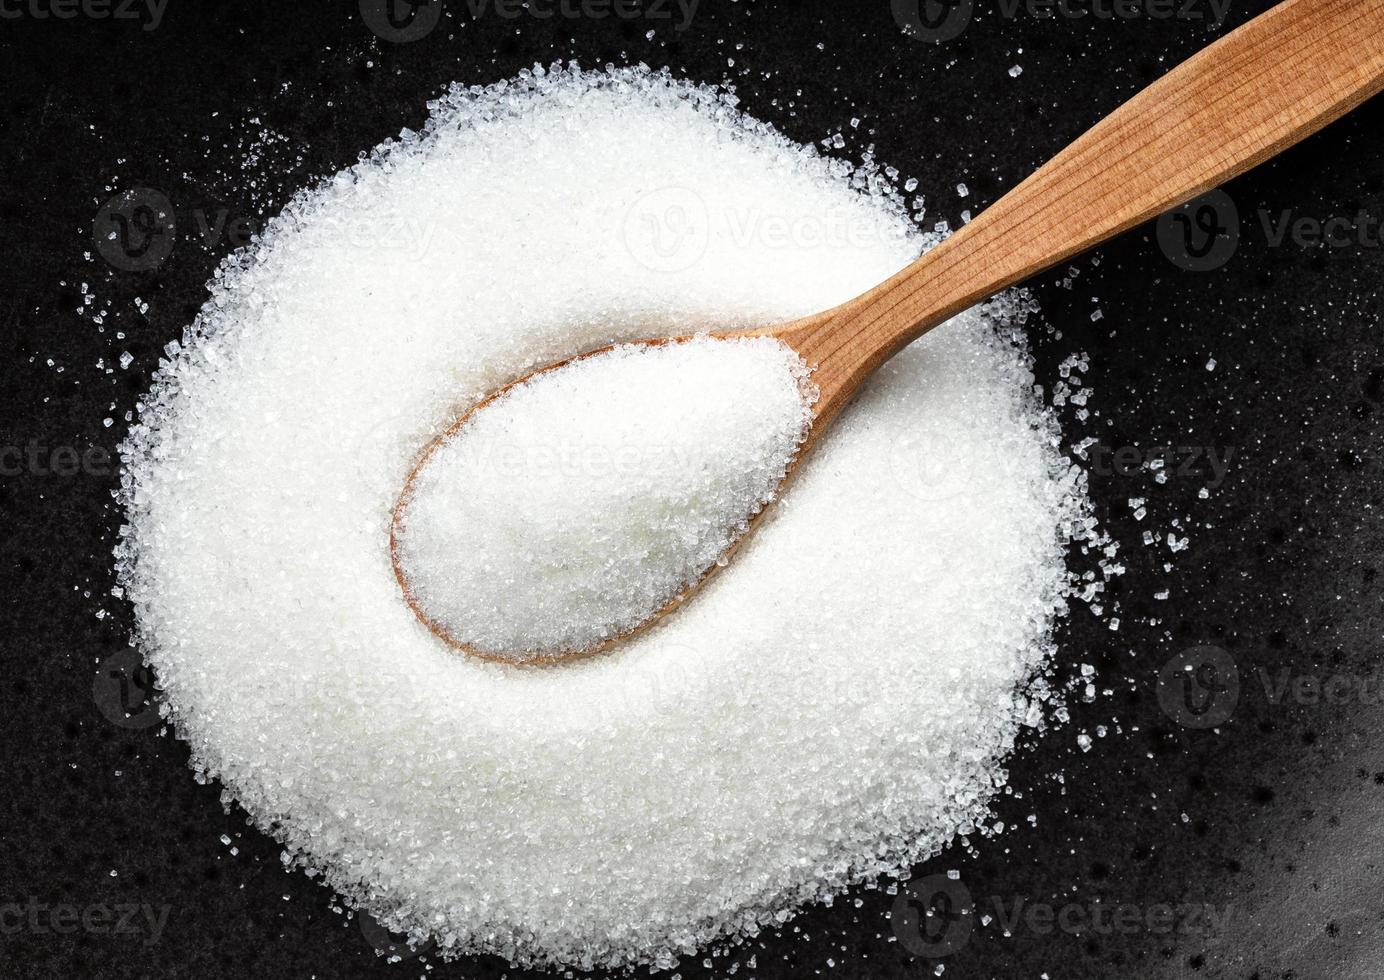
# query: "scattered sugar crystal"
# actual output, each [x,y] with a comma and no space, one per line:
[773,741]
[1015,71]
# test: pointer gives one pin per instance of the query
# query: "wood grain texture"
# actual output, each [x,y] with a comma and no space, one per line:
[1260,89]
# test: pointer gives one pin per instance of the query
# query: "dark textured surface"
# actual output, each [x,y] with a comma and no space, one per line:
[1265,821]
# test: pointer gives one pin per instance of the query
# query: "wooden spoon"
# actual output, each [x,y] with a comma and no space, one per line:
[1260,89]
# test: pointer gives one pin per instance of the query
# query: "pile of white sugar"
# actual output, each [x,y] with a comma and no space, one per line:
[834,705]
[580,502]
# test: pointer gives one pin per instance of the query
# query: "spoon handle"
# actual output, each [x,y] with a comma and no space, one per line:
[1275,80]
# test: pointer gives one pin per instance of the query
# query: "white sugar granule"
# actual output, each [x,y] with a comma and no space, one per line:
[580,502]
[836,704]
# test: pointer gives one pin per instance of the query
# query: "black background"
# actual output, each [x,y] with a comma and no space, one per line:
[1266,818]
